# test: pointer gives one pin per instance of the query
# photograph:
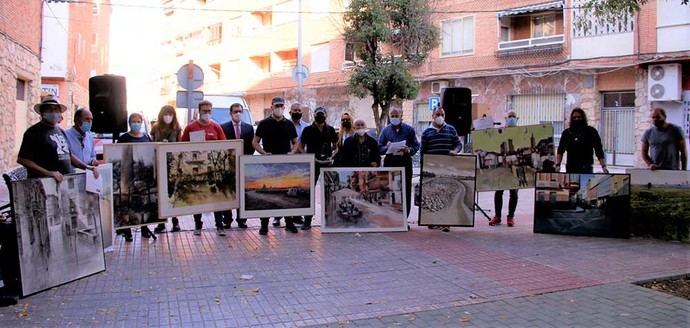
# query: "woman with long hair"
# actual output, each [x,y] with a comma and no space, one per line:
[346,130]
[581,142]
[167,129]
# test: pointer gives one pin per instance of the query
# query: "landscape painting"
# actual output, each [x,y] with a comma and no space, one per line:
[277,185]
[447,190]
[106,204]
[198,177]
[509,157]
[660,205]
[135,196]
[595,205]
[58,232]
[363,200]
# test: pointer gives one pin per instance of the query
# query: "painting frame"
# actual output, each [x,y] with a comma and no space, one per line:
[246,208]
[401,225]
[166,207]
[508,157]
[59,235]
[424,217]
[106,204]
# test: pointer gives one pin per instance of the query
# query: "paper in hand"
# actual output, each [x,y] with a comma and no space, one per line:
[396,148]
[197,136]
[92,184]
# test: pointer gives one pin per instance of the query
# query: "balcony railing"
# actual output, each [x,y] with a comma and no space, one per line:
[532,43]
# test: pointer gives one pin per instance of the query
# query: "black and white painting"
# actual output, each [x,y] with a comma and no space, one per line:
[58,232]
[447,190]
[106,204]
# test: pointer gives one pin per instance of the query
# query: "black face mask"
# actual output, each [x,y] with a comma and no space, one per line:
[320,119]
[296,116]
[578,123]
[347,124]
[659,123]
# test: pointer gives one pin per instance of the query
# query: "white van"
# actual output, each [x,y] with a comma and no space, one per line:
[221,107]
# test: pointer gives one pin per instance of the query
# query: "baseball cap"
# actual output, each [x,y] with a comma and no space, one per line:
[319,110]
[278,100]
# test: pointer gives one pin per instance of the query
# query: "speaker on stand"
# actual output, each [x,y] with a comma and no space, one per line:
[108,104]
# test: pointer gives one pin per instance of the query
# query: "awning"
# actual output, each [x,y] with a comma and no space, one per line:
[531,9]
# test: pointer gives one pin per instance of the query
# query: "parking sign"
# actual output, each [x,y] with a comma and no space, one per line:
[434,102]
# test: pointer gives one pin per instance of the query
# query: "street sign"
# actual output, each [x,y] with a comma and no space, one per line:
[197,97]
[434,102]
[300,73]
[190,76]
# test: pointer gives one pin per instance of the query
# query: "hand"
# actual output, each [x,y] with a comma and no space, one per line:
[374,164]
[267,153]
[605,169]
[57,176]
[453,152]
[557,168]
[652,167]
[291,152]
[95,172]
[405,150]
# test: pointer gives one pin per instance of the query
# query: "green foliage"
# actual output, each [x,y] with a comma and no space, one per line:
[610,10]
[662,213]
[389,36]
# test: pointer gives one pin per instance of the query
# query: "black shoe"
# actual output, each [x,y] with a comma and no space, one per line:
[242,225]
[291,228]
[445,229]
[227,226]
[306,227]
[129,238]
[7,301]
[276,222]
[145,232]
[176,228]
[297,220]
[263,231]
[160,228]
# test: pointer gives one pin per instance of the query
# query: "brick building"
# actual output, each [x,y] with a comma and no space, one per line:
[529,56]
[20,66]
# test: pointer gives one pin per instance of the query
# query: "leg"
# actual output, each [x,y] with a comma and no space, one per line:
[264,226]
[242,223]
[127,233]
[227,219]
[408,184]
[176,224]
[198,224]
[289,225]
[220,217]
[276,222]
[498,205]
[307,222]
[512,204]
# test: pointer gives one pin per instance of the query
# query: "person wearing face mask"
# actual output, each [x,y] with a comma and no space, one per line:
[581,142]
[361,150]
[296,110]
[167,129]
[663,144]
[276,135]
[398,131]
[80,138]
[45,150]
[211,131]
[346,130]
[318,139]
[511,121]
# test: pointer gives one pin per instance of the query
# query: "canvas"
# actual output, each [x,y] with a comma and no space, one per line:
[582,204]
[363,200]
[447,190]
[277,185]
[58,232]
[106,204]
[509,157]
[198,177]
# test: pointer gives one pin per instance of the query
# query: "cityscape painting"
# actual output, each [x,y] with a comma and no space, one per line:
[363,200]
[197,177]
[135,196]
[509,157]
[277,185]
[447,190]
[58,232]
[595,205]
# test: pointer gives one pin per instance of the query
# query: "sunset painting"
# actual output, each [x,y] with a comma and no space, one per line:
[277,185]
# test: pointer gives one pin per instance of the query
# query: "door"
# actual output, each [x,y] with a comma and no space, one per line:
[618,127]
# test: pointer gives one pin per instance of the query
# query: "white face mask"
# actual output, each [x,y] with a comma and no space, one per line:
[362,132]
[439,120]
[205,117]
[167,119]
[278,112]
[395,120]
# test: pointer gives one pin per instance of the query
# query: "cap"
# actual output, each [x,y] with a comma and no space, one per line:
[319,110]
[49,100]
[278,100]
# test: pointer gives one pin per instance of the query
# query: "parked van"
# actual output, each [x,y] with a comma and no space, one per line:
[221,108]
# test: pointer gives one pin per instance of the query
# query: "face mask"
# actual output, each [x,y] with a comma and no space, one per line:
[361,132]
[347,124]
[659,123]
[167,119]
[85,126]
[511,121]
[205,117]
[296,116]
[135,127]
[52,118]
[578,123]
[396,120]
[320,119]
[439,120]
[278,112]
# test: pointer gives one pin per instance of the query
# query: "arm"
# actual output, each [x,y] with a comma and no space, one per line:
[257,146]
[456,144]
[413,142]
[221,133]
[375,159]
[296,146]
[185,134]
[31,165]
[92,157]
[644,149]
[383,142]
[562,145]
[683,154]
[599,151]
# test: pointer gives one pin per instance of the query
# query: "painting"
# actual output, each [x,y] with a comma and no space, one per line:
[660,203]
[595,205]
[363,200]
[509,157]
[105,203]
[198,177]
[447,190]
[277,185]
[58,232]
[135,196]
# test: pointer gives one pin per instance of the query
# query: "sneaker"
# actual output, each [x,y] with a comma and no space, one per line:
[263,231]
[176,228]
[276,222]
[220,231]
[145,232]
[160,228]
[445,229]
[197,232]
[7,301]
[297,220]
[495,221]
[511,221]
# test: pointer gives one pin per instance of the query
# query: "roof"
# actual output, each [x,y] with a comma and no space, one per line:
[531,8]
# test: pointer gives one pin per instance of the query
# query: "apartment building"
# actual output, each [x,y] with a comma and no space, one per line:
[528,56]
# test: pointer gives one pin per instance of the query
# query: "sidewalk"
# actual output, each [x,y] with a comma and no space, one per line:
[482,276]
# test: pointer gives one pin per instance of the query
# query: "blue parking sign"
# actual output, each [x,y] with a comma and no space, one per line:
[434,102]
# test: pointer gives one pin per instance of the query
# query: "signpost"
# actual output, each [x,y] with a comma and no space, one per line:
[190,77]
[434,102]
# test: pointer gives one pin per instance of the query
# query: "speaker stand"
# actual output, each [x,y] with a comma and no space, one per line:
[480,209]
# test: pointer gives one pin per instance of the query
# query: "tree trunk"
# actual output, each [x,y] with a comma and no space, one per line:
[377,116]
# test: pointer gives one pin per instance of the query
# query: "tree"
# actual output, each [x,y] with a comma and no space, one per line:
[389,37]
[611,10]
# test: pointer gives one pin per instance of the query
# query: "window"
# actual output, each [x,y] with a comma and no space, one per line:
[457,36]
[543,25]
[349,52]
[619,99]
[320,56]
[215,34]
[285,12]
[21,89]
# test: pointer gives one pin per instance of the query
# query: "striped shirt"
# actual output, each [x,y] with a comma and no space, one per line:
[440,141]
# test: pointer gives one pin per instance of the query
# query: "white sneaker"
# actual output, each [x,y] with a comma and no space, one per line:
[197,232]
[220,231]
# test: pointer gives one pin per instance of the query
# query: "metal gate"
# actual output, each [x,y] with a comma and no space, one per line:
[618,127]
[539,109]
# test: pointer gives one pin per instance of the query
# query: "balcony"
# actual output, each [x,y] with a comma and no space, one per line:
[532,42]
[531,29]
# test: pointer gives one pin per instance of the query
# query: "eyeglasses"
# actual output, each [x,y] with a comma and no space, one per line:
[237,112]
[512,116]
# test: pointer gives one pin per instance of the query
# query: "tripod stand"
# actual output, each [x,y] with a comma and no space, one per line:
[478,208]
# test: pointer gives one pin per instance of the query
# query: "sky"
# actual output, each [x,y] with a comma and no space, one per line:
[277,175]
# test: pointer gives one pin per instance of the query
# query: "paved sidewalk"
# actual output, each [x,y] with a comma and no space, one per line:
[498,275]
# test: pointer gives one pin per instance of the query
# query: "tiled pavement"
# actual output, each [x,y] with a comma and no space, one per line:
[482,276]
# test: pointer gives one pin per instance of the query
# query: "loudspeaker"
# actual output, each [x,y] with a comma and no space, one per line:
[457,102]
[108,103]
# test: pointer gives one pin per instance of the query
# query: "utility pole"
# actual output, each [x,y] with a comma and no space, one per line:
[299,48]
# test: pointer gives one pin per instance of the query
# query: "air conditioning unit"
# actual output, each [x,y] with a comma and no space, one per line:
[664,82]
[438,86]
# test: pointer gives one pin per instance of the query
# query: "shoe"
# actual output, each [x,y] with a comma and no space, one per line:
[432,227]
[220,231]
[511,221]
[242,225]
[495,221]
[145,232]
[176,228]
[160,228]
[297,220]
[291,228]
[276,222]
[263,231]
[227,226]
[445,229]
[7,301]
[197,232]
[306,227]
[129,238]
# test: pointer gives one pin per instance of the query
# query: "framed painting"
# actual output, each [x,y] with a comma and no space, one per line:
[135,196]
[105,202]
[197,177]
[363,199]
[59,233]
[277,185]
[509,157]
[447,186]
[596,205]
